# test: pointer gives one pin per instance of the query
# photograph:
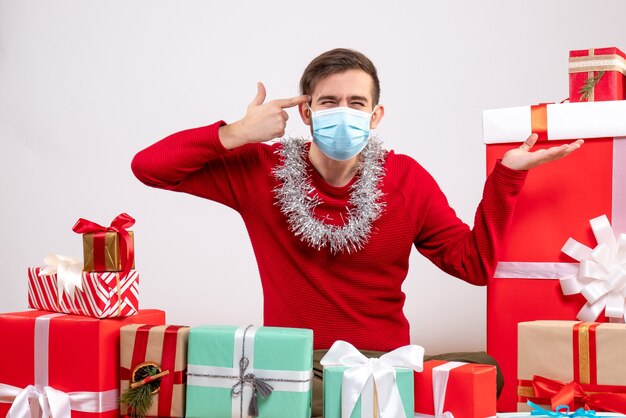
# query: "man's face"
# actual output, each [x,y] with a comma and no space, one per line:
[352,88]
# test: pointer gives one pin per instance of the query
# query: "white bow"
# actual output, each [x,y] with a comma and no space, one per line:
[361,369]
[601,277]
[48,402]
[30,402]
[69,271]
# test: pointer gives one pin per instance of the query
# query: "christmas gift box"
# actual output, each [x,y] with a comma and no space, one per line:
[564,412]
[248,371]
[359,387]
[153,370]
[597,74]
[107,248]
[461,389]
[62,286]
[578,364]
[62,365]
[556,203]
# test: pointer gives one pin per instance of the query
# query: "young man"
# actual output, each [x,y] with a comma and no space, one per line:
[332,222]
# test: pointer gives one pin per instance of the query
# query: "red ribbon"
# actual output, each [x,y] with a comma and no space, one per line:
[119,225]
[573,395]
[168,362]
[178,377]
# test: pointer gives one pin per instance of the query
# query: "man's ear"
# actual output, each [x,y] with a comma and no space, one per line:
[377,116]
[305,113]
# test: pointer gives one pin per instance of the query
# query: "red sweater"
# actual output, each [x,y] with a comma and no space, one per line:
[355,297]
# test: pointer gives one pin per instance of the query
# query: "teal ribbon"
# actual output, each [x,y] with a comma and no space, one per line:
[561,411]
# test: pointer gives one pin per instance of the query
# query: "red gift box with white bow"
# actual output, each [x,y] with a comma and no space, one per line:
[61,365]
[557,203]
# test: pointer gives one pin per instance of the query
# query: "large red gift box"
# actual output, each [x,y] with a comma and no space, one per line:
[469,390]
[101,295]
[603,68]
[557,202]
[64,362]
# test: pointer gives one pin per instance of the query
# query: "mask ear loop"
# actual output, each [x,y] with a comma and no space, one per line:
[371,116]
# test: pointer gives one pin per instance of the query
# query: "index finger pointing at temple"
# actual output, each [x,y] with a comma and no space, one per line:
[293,101]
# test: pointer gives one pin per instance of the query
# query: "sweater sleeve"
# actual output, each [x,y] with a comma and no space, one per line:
[194,161]
[470,254]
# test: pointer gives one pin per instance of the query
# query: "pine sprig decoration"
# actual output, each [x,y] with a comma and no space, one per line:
[586,90]
[139,397]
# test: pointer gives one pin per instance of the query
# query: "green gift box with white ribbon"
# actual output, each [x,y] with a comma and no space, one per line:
[249,371]
[367,400]
[359,387]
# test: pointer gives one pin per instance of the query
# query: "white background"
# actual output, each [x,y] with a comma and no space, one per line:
[84,85]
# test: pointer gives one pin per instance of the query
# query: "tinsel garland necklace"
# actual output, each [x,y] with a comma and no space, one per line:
[297,198]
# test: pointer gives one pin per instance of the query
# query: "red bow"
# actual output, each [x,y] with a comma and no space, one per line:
[573,395]
[119,225]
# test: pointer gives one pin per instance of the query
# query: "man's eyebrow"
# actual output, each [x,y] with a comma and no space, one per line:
[327,97]
[330,97]
[363,98]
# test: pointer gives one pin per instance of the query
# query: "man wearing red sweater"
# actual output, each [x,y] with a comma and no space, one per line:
[332,222]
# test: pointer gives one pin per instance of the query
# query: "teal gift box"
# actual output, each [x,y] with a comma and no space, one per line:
[359,387]
[233,370]
[333,376]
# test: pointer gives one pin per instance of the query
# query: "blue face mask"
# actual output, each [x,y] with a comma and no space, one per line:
[341,132]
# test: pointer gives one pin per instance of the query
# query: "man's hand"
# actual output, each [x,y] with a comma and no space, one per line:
[262,122]
[522,159]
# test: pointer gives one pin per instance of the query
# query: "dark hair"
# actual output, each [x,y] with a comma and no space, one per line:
[337,61]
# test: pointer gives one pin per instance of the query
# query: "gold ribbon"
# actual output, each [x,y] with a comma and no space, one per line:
[591,63]
[584,367]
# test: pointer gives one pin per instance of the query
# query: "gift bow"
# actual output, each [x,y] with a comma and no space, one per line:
[119,225]
[260,387]
[601,276]
[48,402]
[361,369]
[573,395]
[69,271]
[560,411]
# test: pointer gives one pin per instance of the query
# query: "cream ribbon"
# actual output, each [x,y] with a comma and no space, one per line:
[43,401]
[69,271]
[601,277]
[441,374]
[364,373]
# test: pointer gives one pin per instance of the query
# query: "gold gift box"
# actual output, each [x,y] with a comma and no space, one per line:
[111,249]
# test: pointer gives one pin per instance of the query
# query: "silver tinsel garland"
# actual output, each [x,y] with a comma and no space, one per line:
[298,198]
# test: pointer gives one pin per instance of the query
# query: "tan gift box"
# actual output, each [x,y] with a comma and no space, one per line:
[163,347]
[551,354]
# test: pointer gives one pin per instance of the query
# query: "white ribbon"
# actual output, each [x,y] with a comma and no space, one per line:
[43,401]
[364,373]
[69,271]
[601,276]
[51,403]
[441,374]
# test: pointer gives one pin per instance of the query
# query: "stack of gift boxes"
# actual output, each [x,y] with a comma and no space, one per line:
[562,273]
[87,349]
